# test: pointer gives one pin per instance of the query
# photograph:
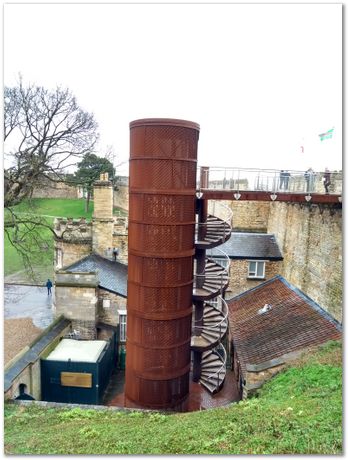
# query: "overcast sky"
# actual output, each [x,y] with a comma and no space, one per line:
[262,80]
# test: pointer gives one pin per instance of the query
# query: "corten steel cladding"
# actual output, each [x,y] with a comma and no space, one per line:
[162,187]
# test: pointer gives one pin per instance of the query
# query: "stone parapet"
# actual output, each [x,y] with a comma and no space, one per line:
[66,278]
[74,230]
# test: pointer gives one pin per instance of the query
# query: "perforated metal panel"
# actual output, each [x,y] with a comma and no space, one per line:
[162,178]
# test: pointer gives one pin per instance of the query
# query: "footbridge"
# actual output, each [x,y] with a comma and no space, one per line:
[268,185]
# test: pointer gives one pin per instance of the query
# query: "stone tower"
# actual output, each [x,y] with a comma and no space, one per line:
[103,221]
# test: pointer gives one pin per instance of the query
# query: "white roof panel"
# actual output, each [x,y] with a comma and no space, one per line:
[87,351]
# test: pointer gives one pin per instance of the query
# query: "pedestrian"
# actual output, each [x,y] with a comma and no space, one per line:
[327,180]
[281,177]
[115,253]
[49,286]
[286,180]
[309,176]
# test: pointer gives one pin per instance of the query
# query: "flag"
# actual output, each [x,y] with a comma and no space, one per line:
[327,135]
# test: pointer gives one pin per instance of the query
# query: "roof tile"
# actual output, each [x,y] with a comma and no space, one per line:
[294,322]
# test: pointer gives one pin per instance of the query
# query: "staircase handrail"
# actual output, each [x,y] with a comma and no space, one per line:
[224,270]
[224,225]
[224,311]
[223,365]
[217,260]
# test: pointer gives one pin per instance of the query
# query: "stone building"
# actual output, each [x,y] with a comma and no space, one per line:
[91,270]
[254,258]
[272,324]
[309,237]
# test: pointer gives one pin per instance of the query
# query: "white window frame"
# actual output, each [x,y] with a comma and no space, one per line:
[253,274]
[122,320]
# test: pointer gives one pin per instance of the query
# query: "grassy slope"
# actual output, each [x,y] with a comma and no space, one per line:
[46,207]
[299,411]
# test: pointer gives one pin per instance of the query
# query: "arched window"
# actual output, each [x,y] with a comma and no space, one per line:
[22,388]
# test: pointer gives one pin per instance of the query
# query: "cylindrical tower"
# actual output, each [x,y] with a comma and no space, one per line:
[162,187]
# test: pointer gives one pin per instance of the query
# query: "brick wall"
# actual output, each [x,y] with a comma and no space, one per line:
[310,238]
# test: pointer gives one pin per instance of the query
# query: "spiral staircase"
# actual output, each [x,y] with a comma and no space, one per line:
[210,317]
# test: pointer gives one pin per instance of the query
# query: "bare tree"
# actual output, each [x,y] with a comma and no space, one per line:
[44,133]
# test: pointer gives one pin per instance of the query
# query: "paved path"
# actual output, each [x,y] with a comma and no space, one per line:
[28,302]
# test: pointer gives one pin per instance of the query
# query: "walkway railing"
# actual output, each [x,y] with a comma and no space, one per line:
[271,180]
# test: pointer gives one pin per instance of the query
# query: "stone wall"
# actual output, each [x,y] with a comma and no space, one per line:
[71,252]
[49,189]
[73,240]
[103,200]
[102,239]
[75,298]
[120,238]
[221,209]
[310,238]
[250,216]
[103,221]
[121,197]
[239,281]
[109,314]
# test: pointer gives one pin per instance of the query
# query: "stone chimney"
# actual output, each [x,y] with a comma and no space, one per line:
[102,216]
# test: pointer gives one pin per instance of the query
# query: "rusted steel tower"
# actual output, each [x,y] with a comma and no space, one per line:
[161,244]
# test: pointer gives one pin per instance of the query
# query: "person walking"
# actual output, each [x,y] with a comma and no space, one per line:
[327,180]
[49,287]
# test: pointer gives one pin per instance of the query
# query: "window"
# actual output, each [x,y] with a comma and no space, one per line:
[106,303]
[123,324]
[256,269]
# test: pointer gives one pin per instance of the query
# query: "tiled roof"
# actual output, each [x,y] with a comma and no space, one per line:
[294,322]
[243,245]
[112,274]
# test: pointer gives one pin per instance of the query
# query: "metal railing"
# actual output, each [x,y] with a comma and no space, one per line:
[219,302]
[225,224]
[219,350]
[271,180]
[224,262]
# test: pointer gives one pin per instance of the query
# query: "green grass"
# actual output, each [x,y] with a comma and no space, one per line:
[56,207]
[298,412]
[42,261]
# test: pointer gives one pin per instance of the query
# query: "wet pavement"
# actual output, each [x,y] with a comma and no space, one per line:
[198,399]
[28,302]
